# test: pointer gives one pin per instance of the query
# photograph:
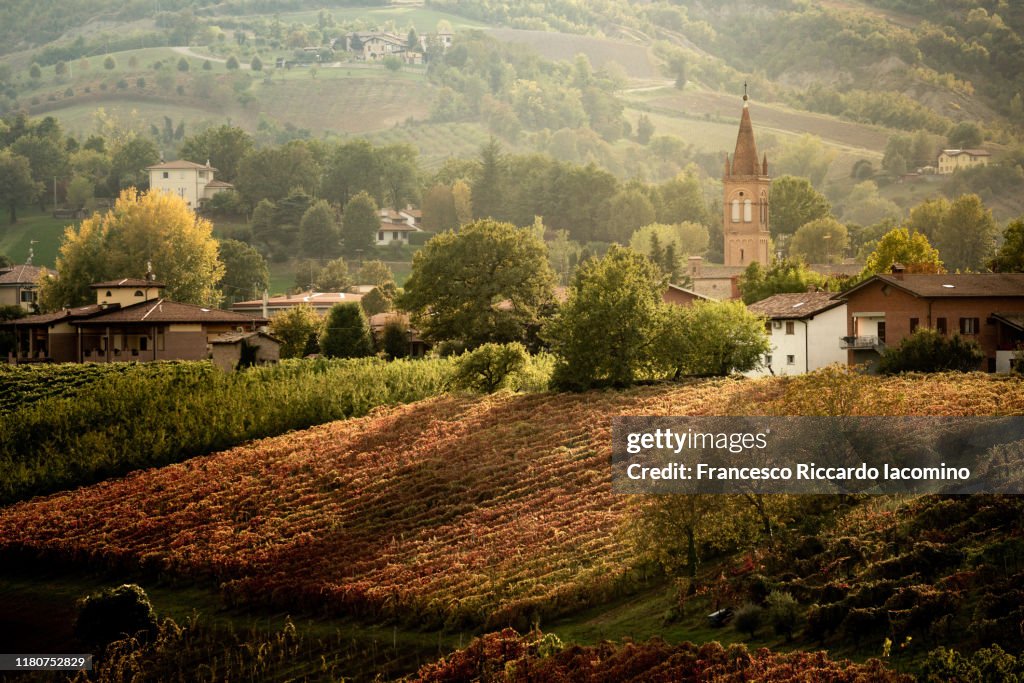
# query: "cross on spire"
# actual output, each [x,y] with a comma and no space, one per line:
[744,91]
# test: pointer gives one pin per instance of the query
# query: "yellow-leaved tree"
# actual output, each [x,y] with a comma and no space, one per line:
[153,228]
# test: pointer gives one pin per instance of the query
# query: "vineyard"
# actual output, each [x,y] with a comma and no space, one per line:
[154,414]
[450,512]
[24,385]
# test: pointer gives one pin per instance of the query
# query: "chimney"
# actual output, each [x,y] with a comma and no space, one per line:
[695,264]
[897,271]
[266,302]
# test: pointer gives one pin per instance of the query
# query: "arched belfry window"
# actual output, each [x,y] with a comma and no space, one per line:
[735,211]
[748,213]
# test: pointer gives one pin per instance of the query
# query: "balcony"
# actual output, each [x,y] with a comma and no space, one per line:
[870,342]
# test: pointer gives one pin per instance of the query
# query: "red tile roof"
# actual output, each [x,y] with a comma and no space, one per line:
[180,165]
[794,306]
[951,285]
[63,315]
[126,283]
[164,311]
[21,275]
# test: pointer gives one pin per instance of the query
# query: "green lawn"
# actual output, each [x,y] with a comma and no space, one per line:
[32,225]
[424,20]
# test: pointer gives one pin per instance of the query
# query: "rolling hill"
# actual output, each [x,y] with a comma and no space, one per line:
[462,512]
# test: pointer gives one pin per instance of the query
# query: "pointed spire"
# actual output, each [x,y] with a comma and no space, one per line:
[728,171]
[744,160]
[764,165]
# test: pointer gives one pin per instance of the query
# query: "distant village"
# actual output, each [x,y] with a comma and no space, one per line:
[131,321]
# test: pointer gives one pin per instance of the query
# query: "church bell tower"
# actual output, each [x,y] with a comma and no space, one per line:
[745,201]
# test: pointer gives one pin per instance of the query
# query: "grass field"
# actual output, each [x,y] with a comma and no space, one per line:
[42,227]
[634,58]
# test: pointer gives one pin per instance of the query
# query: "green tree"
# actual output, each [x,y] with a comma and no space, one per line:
[865,206]
[912,251]
[379,299]
[644,129]
[351,168]
[1010,257]
[807,158]
[681,199]
[318,231]
[488,368]
[927,216]
[710,338]
[490,282]
[439,209]
[748,619]
[966,236]
[80,192]
[299,329]
[34,72]
[488,188]
[224,146]
[686,239]
[821,241]
[157,228]
[47,156]
[183,65]
[412,40]
[115,613]
[60,68]
[232,63]
[333,277]
[399,174]
[616,300]
[128,163]
[256,64]
[625,212]
[18,187]
[783,613]
[245,271]
[376,273]
[785,276]
[346,333]
[927,350]
[263,223]
[360,222]
[273,172]
[965,135]
[395,339]
[109,64]
[795,202]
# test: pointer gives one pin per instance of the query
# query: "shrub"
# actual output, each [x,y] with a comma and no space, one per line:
[487,368]
[927,350]
[783,613]
[346,333]
[395,340]
[113,614]
[748,619]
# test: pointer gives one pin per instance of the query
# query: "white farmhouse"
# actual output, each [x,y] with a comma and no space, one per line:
[804,331]
[192,182]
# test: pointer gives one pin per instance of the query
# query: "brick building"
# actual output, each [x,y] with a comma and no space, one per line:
[130,321]
[746,186]
[883,310]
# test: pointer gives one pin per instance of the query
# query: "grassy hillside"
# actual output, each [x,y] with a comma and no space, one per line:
[457,513]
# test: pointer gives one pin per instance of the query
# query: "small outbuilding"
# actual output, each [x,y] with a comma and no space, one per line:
[231,349]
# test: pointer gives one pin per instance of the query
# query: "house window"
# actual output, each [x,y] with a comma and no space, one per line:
[380,236]
[790,360]
[166,174]
[790,327]
[394,235]
[748,214]
[881,332]
[202,174]
[768,360]
[28,296]
[914,324]
[735,211]
[108,293]
[768,327]
[143,343]
[940,325]
[969,325]
[138,292]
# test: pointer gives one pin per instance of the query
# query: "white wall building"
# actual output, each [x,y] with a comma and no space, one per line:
[804,330]
[192,182]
